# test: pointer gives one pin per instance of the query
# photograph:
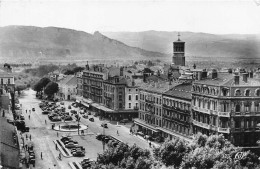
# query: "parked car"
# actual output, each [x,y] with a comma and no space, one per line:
[61,103]
[69,106]
[124,121]
[33,109]
[70,145]
[78,153]
[104,125]
[22,117]
[46,112]
[91,119]
[85,116]
[10,121]
[89,113]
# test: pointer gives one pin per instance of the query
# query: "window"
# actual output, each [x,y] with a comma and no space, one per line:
[225,92]
[237,124]
[136,97]
[2,82]
[120,97]
[120,105]
[129,90]
[129,97]
[136,104]
[129,105]
[237,108]
[237,92]
[257,93]
[247,93]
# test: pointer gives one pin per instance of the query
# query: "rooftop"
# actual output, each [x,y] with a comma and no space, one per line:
[159,87]
[227,79]
[180,91]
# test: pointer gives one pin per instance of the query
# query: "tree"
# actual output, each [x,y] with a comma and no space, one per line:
[69,72]
[78,69]
[171,152]
[44,81]
[51,88]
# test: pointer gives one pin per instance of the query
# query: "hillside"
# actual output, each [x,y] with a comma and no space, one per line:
[27,43]
[197,44]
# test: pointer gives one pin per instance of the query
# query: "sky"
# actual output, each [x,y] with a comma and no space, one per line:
[209,16]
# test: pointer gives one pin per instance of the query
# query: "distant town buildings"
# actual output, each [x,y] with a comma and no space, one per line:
[175,100]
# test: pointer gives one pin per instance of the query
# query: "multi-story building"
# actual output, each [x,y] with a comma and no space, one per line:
[93,83]
[67,87]
[176,115]
[7,89]
[79,84]
[150,107]
[227,104]
[131,96]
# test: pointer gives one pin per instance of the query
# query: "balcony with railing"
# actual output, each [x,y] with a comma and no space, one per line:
[224,114]
[200,124]
[223,130]
[202,110]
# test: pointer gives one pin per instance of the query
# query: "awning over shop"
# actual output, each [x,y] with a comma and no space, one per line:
[174,134]
[87,101]
[100,107]
[85,104]
[142,123]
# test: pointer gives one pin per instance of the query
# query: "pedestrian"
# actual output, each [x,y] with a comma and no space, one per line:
[57,134]
[41,155]
[29,117]
[56,146]
[45,121]
[26,110]
[30,137]
[59,127]
[150,144]
[26,136]
[117,132]
[25,146]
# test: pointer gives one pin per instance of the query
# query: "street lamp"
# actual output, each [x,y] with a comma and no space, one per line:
[78,119]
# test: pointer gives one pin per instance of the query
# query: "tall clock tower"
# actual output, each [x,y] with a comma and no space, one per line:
[178,57]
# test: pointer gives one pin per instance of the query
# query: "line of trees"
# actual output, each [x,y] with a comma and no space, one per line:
[203,152]
[46,86]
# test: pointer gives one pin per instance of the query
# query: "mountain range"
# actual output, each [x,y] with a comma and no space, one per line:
[52,43]
[30,44]
[197,44]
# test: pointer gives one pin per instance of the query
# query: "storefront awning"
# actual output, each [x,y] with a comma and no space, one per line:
[100,107]
[148,126]
[85,104]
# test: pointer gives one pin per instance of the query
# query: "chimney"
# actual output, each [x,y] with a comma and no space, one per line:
[121,71]
[144,77]
[236,78]
[245,77]
[204,74]
[251,74]
[214,74]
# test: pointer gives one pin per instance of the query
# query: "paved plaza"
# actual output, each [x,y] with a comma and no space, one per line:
[43,136]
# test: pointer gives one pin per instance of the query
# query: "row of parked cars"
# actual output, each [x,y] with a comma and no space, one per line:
[54,111]
[107,139]
[76,150]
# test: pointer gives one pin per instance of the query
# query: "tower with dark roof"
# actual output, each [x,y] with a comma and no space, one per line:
[178,57]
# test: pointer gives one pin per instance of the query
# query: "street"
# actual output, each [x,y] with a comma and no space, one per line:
[42,135]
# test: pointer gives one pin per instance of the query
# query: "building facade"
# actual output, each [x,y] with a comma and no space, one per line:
[79,84]
[227,104]
[178,57]
[93,83]
[176,115]
[150,107]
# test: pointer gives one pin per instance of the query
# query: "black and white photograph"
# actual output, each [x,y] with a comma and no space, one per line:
[130,84]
